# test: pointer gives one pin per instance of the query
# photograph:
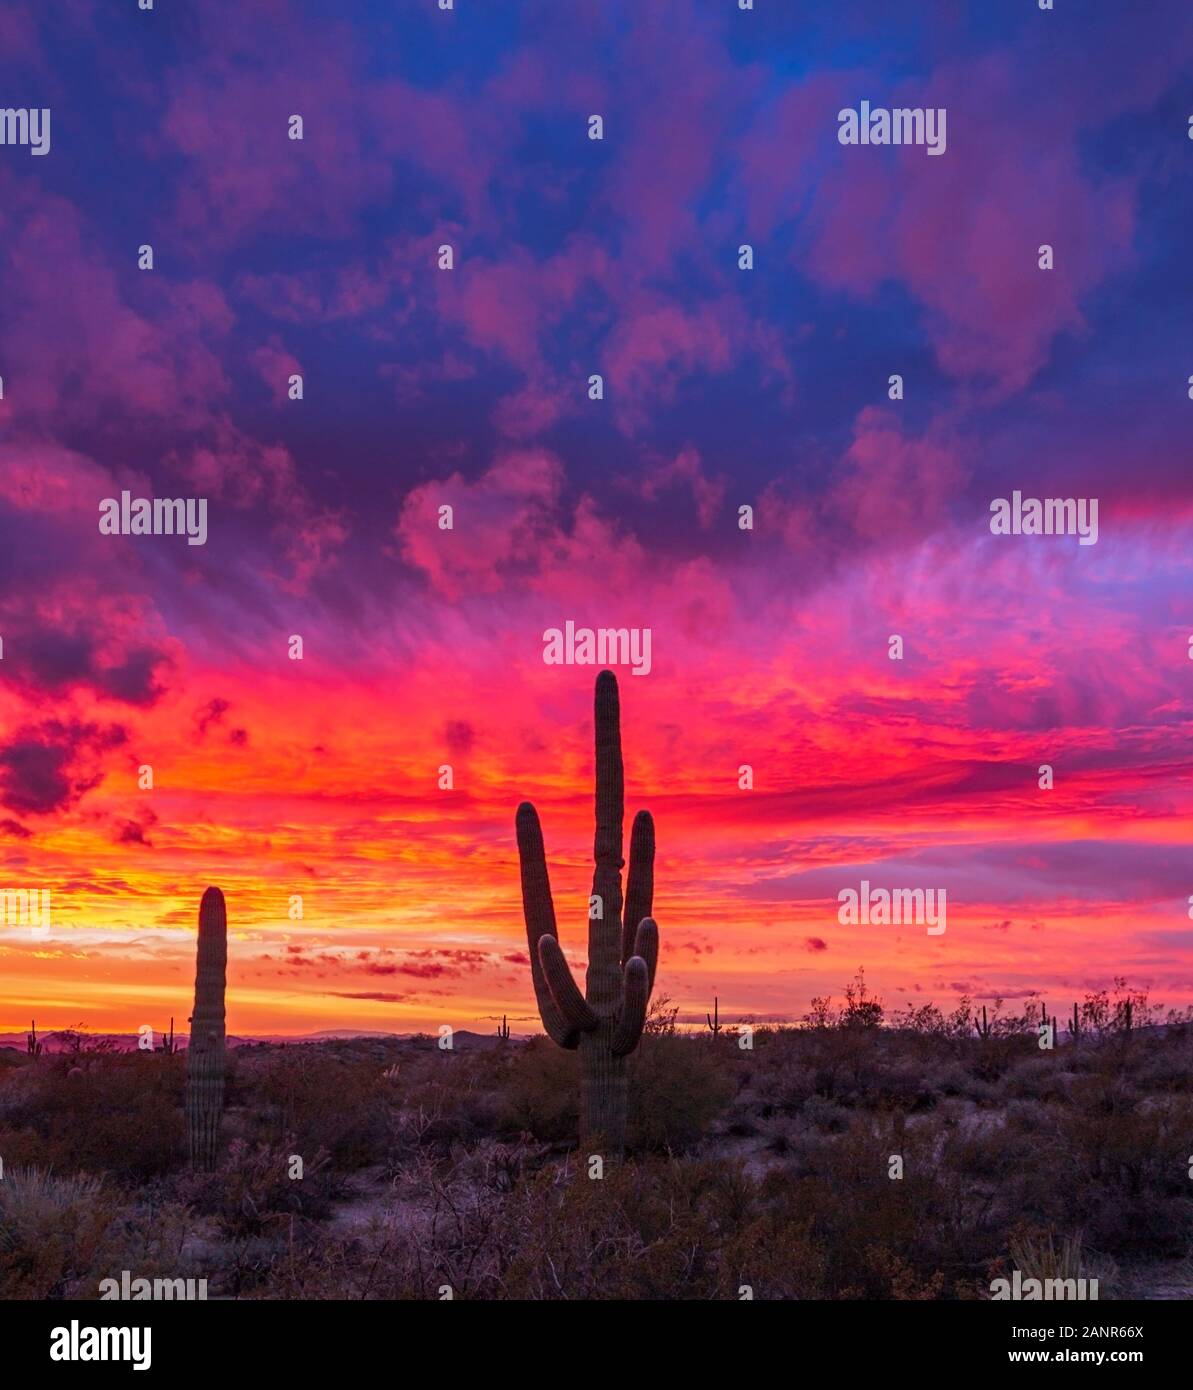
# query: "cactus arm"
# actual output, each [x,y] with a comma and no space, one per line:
[565,993]
[635,996]
[539,911]
[639,893]
[646,945]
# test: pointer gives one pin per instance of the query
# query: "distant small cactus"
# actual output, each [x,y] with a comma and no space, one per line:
[983,1028]
[1075,1024]
[168,1042]
[714,1019]
[32,1046]
[503,1032]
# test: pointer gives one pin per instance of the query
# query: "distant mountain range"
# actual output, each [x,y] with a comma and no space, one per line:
[60,1041]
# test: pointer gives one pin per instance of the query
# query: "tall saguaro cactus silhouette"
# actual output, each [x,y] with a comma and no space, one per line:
[205,1056]
[606,1021]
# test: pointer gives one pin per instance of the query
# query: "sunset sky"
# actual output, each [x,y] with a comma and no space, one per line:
[469,387]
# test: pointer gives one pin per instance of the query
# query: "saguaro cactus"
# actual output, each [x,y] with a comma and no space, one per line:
[32,1046]
[168,1042]
[606,1022]
[205,1056]
[714,1019]
[1075,1025]
[503,1031]
[983,1028]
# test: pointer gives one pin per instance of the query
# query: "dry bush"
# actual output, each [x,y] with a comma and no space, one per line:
[1042,1254]
[317,1098]
[678,1087]
[541,1092]
[252,1189]
[51,1232]
[121,1116]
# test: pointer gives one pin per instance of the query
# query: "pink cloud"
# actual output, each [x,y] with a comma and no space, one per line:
[499,521]
[686,468]
[275,366]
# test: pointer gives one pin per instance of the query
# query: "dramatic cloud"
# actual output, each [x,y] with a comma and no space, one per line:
[47,767]
[809,548]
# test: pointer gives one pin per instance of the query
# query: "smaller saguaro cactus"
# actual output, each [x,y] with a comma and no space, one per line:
[32,1046]
[714,1019]
[205,1056]
[1075,1024]
[168,1042]
[1127,1017]
[983,1027]
[1049,1023]
[503,1032]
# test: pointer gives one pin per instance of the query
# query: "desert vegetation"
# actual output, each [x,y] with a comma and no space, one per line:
[768,1166]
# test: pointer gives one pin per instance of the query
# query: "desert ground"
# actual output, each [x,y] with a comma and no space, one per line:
[857,1155]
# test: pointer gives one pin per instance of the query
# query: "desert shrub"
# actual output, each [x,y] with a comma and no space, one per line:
[252,1190]
[780,1081]
[781,1132]
[825,1115]
[451,1098]
[924,1235]
[952,1078]
[321,1099]
[541,1094]
[51,1229]
[651,1229]
[1127,1170]
[1043,1254]
[1042,1078]
[119,1115]
[678,1086]
[991,1059]
[1163,1064]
